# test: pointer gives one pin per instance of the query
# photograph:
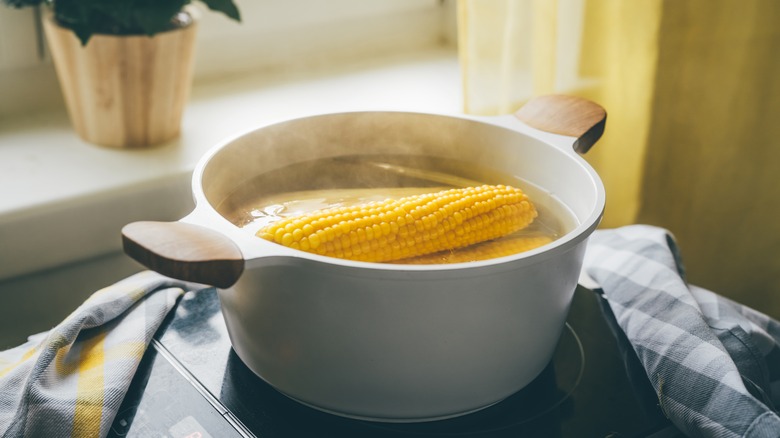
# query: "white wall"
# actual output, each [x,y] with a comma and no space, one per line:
[273,35]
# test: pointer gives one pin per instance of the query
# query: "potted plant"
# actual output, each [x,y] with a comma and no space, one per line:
[124,66]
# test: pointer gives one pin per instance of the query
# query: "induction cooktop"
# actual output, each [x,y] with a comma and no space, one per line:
[191,384]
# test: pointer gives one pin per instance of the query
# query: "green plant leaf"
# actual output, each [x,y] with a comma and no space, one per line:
[112,17]
[227,7]
[74,15]
[154,16]
[122,17]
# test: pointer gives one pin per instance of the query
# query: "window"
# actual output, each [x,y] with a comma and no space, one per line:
[273,34]
[276,33]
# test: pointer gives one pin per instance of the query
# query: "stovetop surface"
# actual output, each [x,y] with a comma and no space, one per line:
[192,384]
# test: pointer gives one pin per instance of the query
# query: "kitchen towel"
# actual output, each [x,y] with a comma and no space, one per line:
[70,381]
[714,363]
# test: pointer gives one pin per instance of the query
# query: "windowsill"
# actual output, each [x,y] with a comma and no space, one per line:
[63,200]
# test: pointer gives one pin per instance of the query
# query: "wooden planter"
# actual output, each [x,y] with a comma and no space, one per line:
[124,91]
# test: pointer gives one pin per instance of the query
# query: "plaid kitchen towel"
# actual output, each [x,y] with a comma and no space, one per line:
[714,364]
[71,380]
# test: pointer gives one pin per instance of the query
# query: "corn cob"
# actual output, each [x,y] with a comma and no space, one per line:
[482,251]
[412,226]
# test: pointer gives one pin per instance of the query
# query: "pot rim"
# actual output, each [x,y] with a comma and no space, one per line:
[257,250]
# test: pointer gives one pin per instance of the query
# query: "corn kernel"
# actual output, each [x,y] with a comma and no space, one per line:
[408,227]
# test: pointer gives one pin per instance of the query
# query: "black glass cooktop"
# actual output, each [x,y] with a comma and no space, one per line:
[191,384]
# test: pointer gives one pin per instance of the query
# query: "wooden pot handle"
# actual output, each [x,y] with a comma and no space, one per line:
[566,115]
[184,251]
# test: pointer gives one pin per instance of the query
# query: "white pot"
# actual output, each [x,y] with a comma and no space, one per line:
[390,342]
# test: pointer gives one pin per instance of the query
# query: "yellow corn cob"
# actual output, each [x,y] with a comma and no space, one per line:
[402,228]
[481,251]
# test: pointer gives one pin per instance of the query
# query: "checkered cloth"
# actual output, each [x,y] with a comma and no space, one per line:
[714,364]
[71,380]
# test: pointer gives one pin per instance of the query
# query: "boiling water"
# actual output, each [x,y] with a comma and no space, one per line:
[345,181]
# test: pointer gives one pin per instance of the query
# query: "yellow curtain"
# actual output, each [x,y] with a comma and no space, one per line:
[692,89]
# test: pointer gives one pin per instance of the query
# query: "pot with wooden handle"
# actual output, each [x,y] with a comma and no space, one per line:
[388,341]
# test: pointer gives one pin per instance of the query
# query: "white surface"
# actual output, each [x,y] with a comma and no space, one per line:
[62,200]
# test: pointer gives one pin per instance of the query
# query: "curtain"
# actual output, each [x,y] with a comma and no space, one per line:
[692,92]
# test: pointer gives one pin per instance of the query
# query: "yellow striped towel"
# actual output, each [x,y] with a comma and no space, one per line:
[70,381]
